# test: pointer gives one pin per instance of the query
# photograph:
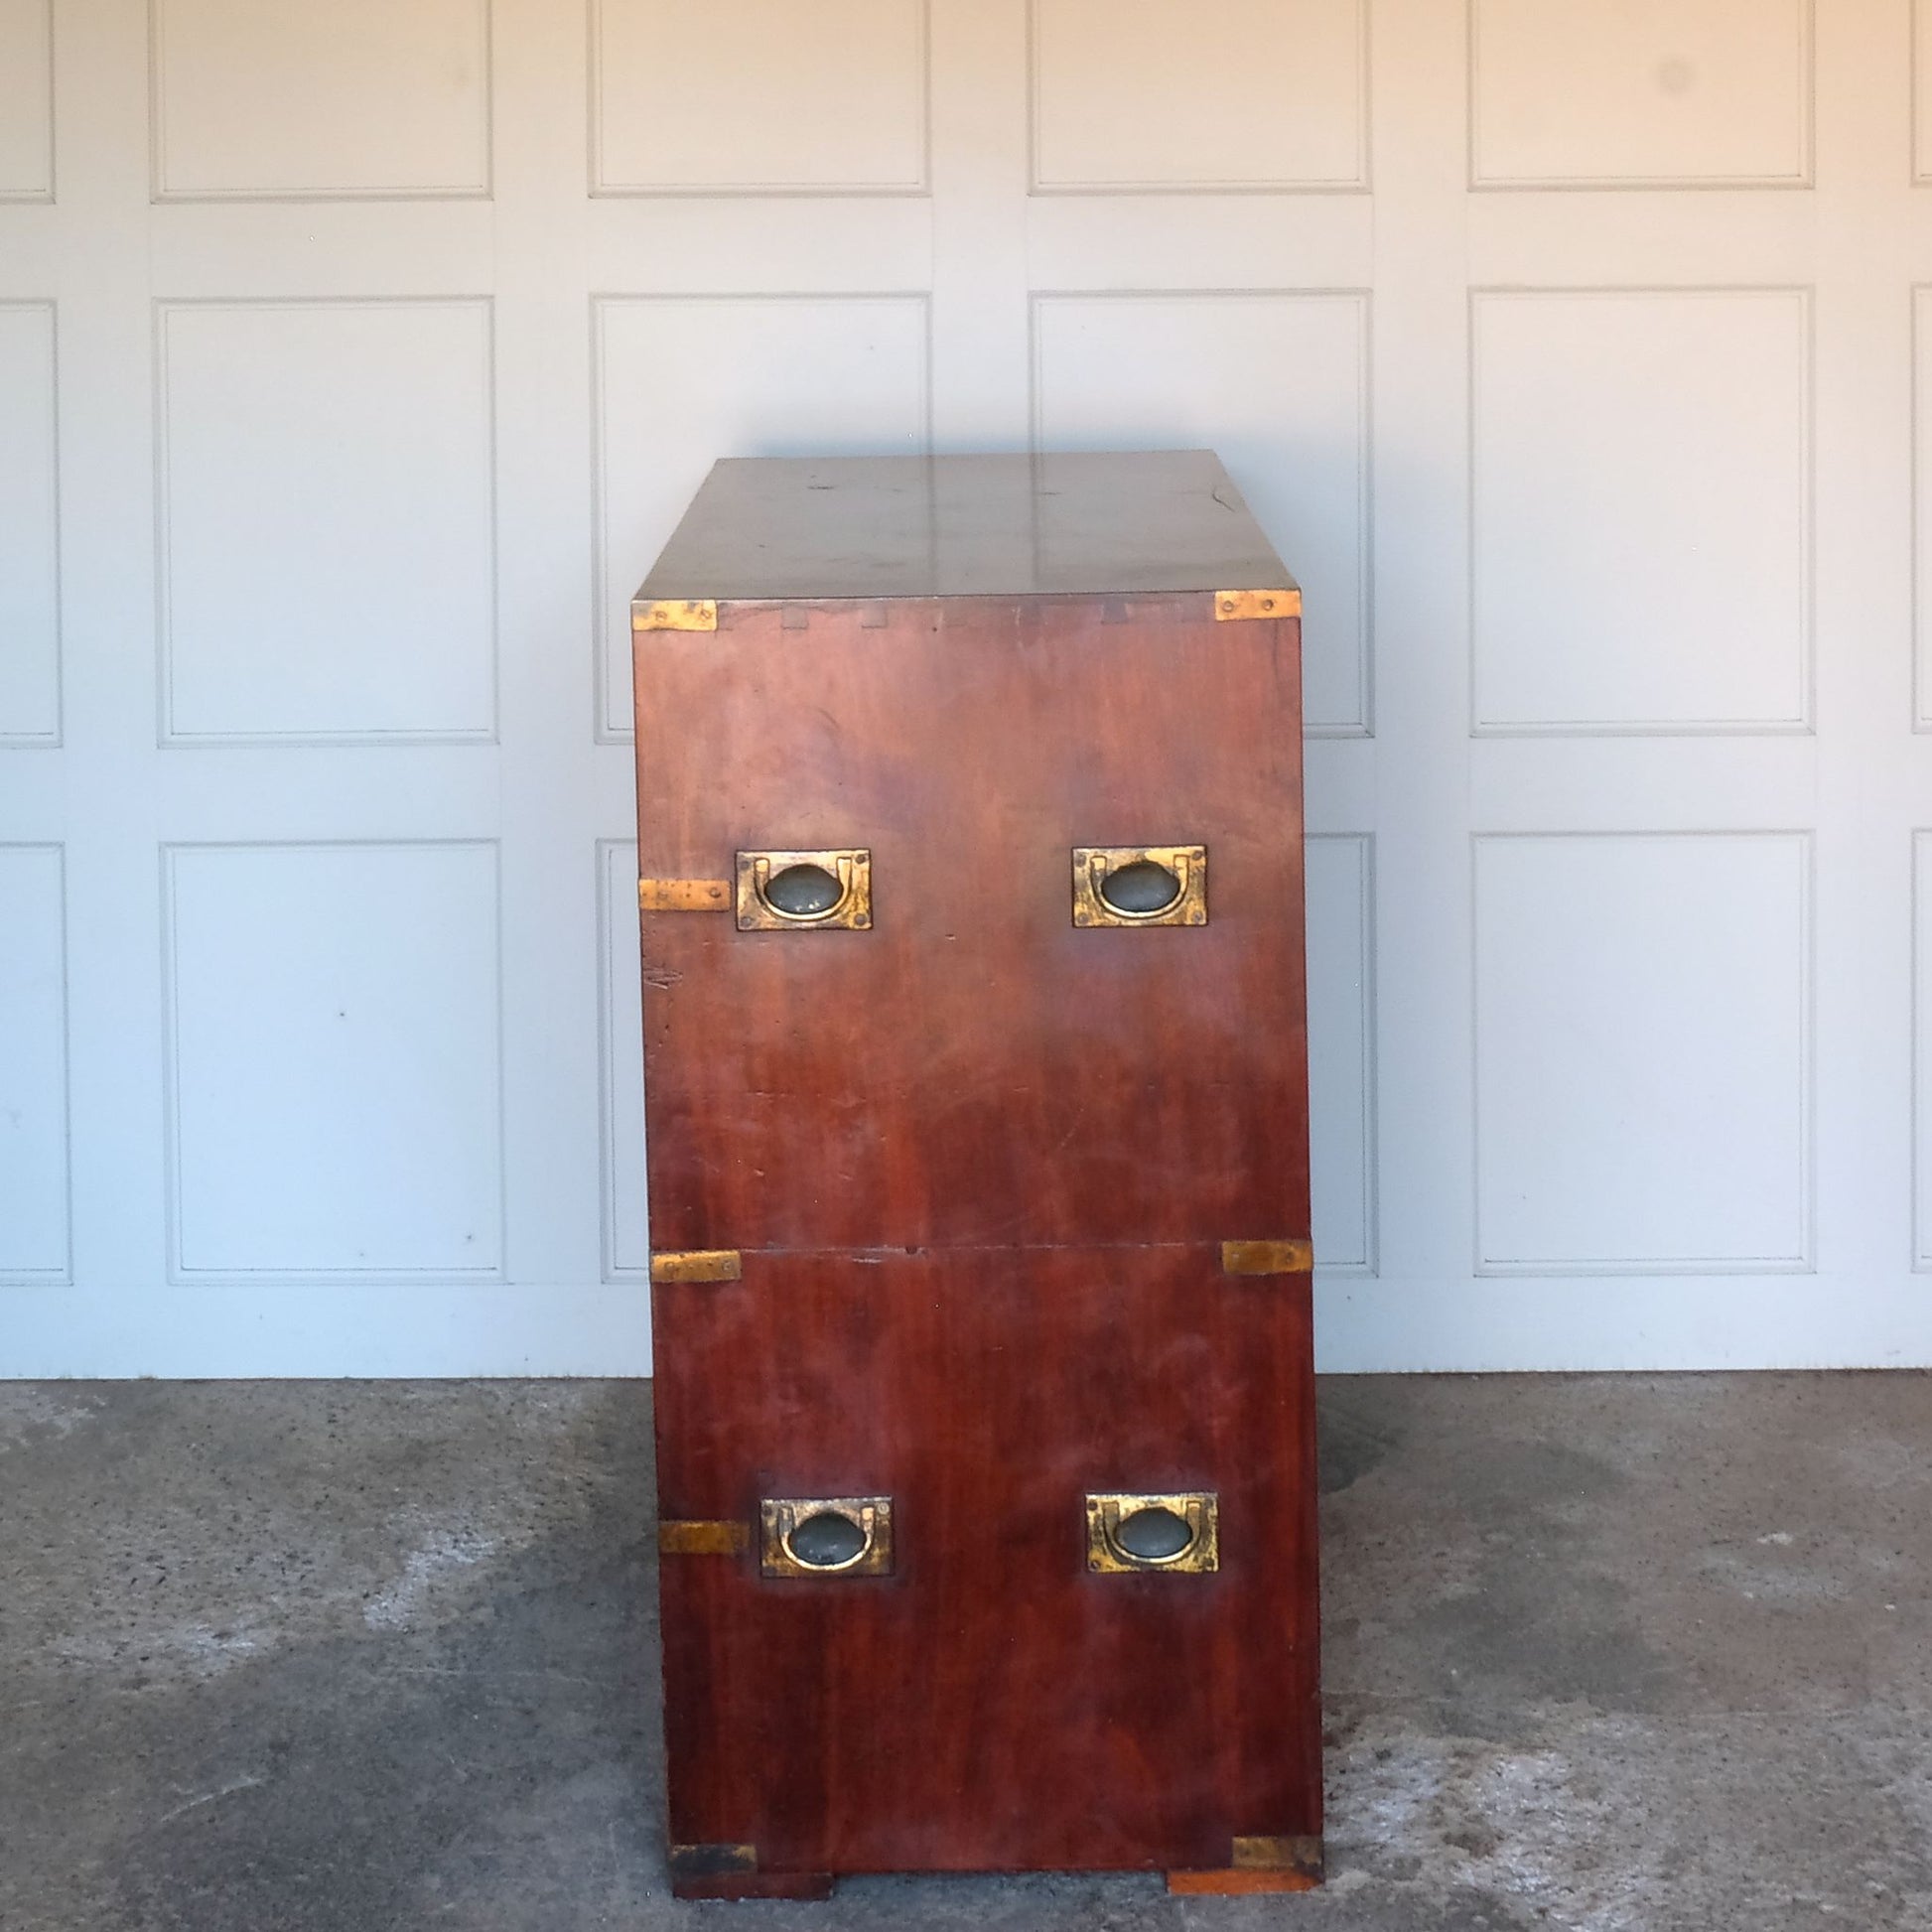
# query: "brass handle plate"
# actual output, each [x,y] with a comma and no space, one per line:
[1140,884]
[1178,1532]
[825,1536]
[793,891]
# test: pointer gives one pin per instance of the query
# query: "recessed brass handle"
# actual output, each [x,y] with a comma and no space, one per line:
[1140,884]
[788,891]
[825,1536]
[1179,1531]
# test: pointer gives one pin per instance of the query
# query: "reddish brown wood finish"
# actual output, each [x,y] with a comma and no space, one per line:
[975,1069]
[992,1703]
[979,1164]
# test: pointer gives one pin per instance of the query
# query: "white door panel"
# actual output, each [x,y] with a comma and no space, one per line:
[361,97]
[26,100]
[833,96]
[1640,91]
[345,444]
[30,582]
[354,362]
[34,1234]
[1113,87]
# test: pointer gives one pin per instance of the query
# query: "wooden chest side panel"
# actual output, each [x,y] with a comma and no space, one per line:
[991,1704]
[974,1070]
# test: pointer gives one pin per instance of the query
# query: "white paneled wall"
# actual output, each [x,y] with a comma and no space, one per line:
[1680,1147]
[35,1238]
[1201,370]
[1641,92]
[738,97]
[354,360]
[679,376]
[339,444]
[1113,89]
[257,98]
[30,533]
[295,1046]
[26,101]
[1641,451]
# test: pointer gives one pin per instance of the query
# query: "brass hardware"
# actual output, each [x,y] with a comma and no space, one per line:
[702,1538]
[684,894]
[712,1861]
[1093,865]
[1297,1854]
[1257,1867]
[786,1546]
[1198,1510]
[1232,605]
[850,910]
[698,1265]
[675,614]
[1267,1257]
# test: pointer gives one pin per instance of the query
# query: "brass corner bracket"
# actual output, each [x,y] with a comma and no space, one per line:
[675,614]
[1232,607]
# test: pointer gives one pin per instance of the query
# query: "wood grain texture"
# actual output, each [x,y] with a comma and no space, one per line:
[978,1165]
[973,1069]
[991,1704]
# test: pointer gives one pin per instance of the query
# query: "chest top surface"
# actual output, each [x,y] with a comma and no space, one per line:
[1075,524]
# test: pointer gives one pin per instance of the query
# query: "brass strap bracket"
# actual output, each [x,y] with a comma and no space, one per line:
[676,614]
[684,894]
[1232,605]
[698,1265]
[1267,1257]
[695,1538]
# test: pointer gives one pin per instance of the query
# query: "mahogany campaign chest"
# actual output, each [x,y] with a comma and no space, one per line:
[971,889]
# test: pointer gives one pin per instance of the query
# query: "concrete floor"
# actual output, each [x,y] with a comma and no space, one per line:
[1605,1653]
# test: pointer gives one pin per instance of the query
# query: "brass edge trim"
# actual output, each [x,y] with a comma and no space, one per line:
[1292,1854]
[698,1265]
[712,1861]
[1267,1257]
[684,894]
[703,1539]
[1232,605]
[674,613]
